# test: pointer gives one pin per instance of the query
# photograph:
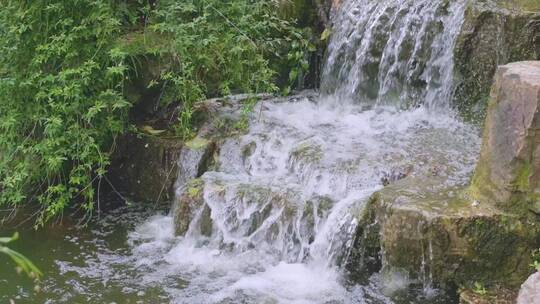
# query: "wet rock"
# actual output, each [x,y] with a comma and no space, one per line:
[196,157]
[396,174]
[188,204]
[530,290]
[145,167]
[508,172]
[239,214]
[493,33]
[438,237]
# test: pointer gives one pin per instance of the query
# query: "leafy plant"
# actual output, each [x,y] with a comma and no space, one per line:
[223,47]
[536,259]
[61,100]
[479,289]
[67,69]
[22,262]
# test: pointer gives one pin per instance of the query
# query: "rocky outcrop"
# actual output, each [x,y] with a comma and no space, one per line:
[494,33]
[508,172]
[437,236]
[530,290]
[144,167]
[150,165]
[482,234]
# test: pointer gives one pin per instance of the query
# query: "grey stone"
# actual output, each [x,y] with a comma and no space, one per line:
[508,172]
[530,290]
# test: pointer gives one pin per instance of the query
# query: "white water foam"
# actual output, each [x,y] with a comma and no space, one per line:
[283,213]
[390,52]
[284,202]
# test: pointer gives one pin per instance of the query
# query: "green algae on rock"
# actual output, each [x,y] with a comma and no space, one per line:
[443,237]
[492,34]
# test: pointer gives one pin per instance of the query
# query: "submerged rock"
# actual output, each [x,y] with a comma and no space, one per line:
[238,214]
[508,172]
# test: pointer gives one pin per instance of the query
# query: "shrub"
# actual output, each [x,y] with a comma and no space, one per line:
[65,67]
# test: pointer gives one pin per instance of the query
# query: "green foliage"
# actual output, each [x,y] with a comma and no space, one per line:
[479,289]
[247,107]
[66,65]
[223,47]
[20,260]
[61,100]
[536,259]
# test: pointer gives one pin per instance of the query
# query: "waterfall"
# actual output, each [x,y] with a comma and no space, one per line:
[275,220]
[389,52]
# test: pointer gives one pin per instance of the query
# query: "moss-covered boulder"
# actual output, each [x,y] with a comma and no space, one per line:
[443,237]
[493,33]
[508,172]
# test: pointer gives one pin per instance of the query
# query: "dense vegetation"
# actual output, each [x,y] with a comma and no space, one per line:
[70,71]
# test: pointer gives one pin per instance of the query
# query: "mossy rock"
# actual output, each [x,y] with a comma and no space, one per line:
[493,33]
[445,237]
[186,207]
[508,171]
[494,295]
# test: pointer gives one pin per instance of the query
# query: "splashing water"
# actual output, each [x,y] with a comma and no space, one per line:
[283,207]
[280,212]
[284,201]
[394,52]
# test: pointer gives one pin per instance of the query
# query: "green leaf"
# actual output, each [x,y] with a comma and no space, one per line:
[326,34]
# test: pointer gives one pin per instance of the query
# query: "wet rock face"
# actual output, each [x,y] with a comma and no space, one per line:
[508,172]
[145,167]
[530,290]
[149,168]
[493,33]
[190,203]
[437,236]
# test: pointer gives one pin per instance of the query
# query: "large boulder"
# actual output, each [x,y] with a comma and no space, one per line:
[508,172]
[436,236]
[493,33]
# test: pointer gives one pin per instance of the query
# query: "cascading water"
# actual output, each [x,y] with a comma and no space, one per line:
[279,213]
[393,52]
[283,202]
